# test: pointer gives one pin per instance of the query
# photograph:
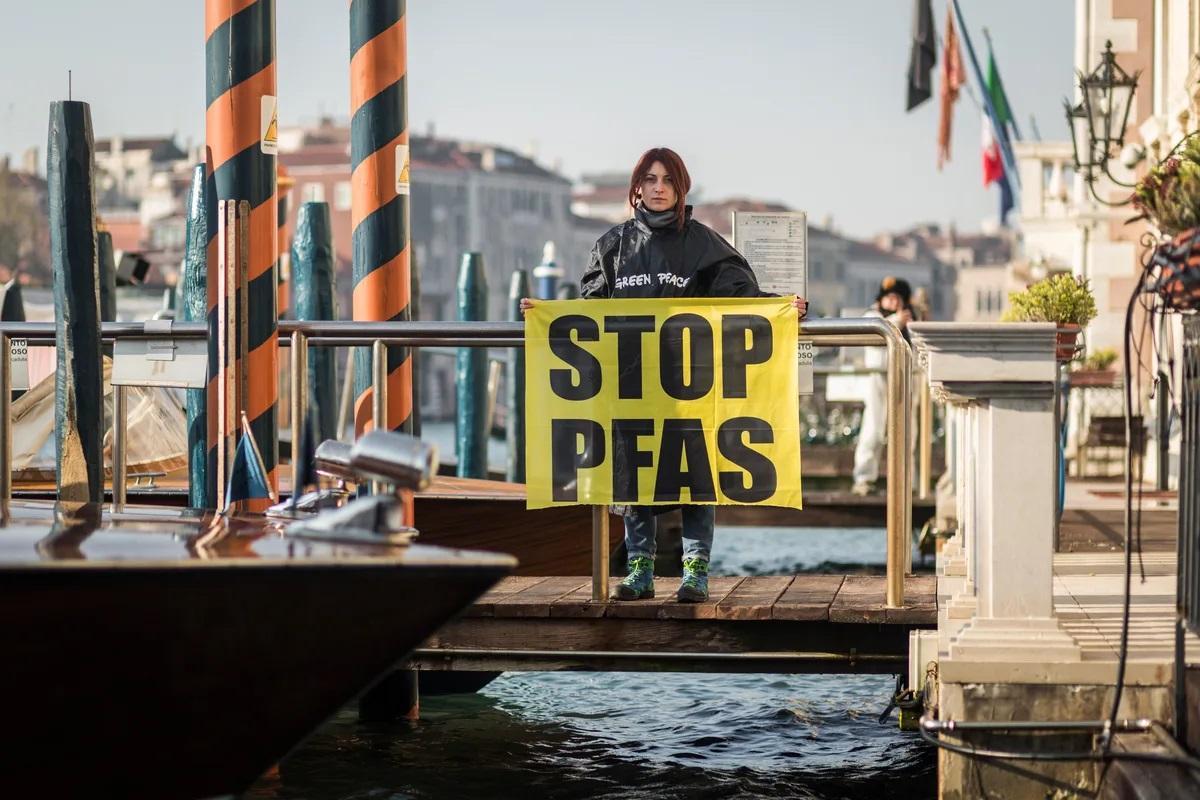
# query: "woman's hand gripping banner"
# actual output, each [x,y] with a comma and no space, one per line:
[662,402]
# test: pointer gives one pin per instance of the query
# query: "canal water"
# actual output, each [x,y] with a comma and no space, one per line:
[638,735]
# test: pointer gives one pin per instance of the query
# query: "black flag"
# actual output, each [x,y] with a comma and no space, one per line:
[923,55]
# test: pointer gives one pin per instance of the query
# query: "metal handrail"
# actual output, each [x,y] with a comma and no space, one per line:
[854,331]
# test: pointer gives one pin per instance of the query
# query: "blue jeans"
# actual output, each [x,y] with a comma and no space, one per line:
[697,531]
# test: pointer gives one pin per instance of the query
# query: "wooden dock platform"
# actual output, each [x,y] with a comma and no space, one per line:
[802,623]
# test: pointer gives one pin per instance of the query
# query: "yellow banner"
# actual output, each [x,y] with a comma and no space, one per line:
[660,402]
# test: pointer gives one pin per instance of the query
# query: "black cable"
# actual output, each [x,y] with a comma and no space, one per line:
[1123,651]
[1080,755]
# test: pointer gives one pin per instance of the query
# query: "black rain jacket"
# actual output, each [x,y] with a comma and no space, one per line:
[634,260]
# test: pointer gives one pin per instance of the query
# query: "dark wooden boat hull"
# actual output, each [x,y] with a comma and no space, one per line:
[491,516]
[187,679]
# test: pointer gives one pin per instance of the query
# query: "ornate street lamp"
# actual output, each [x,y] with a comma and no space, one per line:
[1098,122]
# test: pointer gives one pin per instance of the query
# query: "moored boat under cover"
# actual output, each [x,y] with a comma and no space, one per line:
[171,654]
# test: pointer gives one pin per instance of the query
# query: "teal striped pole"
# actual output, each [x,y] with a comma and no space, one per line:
[515,382]
[471,377]
[78,379]
[202,487]
[312,287]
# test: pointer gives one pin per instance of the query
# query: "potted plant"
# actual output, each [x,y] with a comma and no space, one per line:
[1168,197]
[1062,298]
[1096,369]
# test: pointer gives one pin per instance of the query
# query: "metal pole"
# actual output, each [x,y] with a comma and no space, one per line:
[1162,439]
[926,445]
[299,376]
[898,459]
[379,376]
[600,554]
[5,425]
[906,359]
[120,431]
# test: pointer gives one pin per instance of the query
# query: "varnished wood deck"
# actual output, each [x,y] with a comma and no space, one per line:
[804,623]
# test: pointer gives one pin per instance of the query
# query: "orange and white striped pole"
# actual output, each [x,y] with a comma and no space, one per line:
[379,164]
[241,130]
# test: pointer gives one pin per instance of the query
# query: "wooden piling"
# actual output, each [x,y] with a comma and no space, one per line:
[193,307]
[515,382]
[283,191]
[396,696]
[313,286]
[471,373]
[78,383]
[108,279]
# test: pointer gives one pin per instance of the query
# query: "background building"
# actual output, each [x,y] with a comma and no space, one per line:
[465,197]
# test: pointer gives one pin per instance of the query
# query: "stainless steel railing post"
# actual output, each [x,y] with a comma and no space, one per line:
[5,425]
[925,445]
[299,379]
[899,515]
[600,551]
[379,374]
[120,424]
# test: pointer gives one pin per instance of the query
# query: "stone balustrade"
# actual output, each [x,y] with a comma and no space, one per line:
[997,572]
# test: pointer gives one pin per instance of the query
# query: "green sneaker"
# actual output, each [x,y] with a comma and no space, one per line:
[694,586]
[639,583]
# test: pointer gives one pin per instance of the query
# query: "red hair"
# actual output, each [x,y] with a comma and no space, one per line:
[675,168]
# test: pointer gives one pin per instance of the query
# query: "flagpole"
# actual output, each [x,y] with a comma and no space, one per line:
[1012,114]
[1010,164]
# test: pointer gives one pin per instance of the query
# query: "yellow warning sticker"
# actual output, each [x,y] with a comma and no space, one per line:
[402,169]
[269,140]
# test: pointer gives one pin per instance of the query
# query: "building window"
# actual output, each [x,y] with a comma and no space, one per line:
[341,196]
[313,193]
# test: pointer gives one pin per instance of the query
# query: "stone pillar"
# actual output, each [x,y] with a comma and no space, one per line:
[1002,375]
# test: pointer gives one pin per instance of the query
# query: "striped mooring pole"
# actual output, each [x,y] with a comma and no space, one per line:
[193,307]
[379,180]
[79,377]
[379,165]
[241,128]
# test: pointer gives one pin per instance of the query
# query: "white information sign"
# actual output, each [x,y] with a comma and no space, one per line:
[776,245]
[147,362]
[18,350]
[804,365]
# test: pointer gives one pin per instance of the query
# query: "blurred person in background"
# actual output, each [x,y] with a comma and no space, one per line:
[893,303]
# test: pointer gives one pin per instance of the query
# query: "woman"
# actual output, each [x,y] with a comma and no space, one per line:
[663,252]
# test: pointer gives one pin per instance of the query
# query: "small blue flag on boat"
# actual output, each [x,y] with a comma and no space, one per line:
[248,475]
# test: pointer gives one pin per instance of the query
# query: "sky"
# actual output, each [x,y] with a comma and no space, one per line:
[796,101]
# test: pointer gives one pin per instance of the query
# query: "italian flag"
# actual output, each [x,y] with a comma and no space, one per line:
[993,161]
